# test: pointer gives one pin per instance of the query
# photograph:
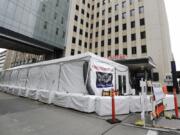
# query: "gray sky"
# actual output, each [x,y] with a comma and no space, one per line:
[173,13]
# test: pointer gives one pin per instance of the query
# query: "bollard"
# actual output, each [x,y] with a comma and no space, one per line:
[113,120]
[175,103]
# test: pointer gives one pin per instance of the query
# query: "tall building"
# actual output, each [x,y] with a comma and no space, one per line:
[34,26]
[135,28]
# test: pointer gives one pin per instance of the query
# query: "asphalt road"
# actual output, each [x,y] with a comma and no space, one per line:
[21,116]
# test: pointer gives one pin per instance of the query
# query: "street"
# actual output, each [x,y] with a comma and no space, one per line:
[21,116]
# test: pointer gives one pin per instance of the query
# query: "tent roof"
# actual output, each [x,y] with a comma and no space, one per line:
[80,57]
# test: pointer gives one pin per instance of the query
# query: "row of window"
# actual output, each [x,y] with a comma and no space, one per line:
[109,1]
[124,27]
[141,22]
[124,14]
[125,51]
[124,38]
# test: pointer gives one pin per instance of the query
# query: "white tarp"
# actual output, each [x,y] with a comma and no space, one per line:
[83,103]
[80,102]
[61,99]
[71,78]
[135,103]
[104,105]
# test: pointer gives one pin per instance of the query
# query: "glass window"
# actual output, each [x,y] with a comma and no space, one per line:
[143,49]
[141,9]
[133,50]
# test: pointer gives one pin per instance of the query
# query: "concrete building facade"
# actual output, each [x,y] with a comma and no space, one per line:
[135,28]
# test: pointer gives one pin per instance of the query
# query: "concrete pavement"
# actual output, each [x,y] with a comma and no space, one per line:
[21,116]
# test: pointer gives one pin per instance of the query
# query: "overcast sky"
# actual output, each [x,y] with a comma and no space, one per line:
[173,13]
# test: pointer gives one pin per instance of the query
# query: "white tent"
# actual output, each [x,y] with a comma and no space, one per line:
[85,74]
[50,81]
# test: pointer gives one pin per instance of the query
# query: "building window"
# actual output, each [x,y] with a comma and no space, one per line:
[81,32]
[109,53]
[103,2]
[109,9]
[143,49]
[103,22]
[133,50]
[124,15]
[82,11]
[97,24]
[88,5]
[125,51]
[142,22]
[57,3]
[82,21]
[124,27]
[72,52]
[141,9]
[75,29]
[143,35]
[85,44]
[116,52]
[109,20]
[97,34]
[133,24]
[109,41]
[124,39]
[123,4]
[76,18]
[87,15]
[90,46]
[116,6]
[74,40]
[57,31]
[91,26]
[43,8]
[102,54]
[63,35]
[116,28]
[87,24]
[102,43]
[117,40]
[79,52]
[133,37]
[132,12]
[83,1]
[45,25]
[109,30]
[92,7]
[80,42]
[131,2]
[86,34]
[55,16]
[62,20]
[116,17]
[98,4]
[96,45]
[77,7]
[97,14]
[103,12]
[102,32]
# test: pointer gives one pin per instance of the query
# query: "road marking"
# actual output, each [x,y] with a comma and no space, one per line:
[151,132]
